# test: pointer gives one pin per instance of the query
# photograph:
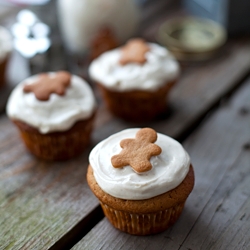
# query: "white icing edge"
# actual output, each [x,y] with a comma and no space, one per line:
[59,113]
[169,168]
[159,69]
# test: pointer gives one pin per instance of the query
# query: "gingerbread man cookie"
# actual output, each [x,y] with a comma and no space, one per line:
[137,152]
[134,52]
[47,84]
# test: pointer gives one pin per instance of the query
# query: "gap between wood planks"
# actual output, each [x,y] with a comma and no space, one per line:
[79,230]
[227,95]
[208,201]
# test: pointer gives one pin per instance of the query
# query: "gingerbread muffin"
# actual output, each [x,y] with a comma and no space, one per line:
[5,50]
[142,180]
[54,113]
[135,79]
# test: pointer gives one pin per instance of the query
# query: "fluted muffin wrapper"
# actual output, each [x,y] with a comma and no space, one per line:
[57,145]
[136,105]
[143,217]
[145,223]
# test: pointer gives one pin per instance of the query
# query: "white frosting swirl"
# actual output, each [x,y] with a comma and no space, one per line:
[169,168]
[59,113]
[5,43]
[159,68]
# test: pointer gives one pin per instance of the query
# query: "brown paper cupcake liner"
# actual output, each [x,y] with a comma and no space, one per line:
[143,217]
[143,224]
[57,145]
[136,105]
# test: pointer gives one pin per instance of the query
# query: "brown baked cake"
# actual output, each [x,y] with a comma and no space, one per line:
[135,79]
[54,113]
[142,185]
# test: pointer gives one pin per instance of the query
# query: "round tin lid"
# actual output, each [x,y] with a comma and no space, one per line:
[191,38]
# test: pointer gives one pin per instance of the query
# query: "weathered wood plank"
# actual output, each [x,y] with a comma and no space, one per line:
[40,202]
[216,215]
[24,179]
[45,205]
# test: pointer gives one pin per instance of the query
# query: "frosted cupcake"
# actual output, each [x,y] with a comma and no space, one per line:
[135,79]
[142,180]
[54,113]
[5,50]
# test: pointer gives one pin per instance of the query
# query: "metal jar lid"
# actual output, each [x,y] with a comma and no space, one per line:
[191,38]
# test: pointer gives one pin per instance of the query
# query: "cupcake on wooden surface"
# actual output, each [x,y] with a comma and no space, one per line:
[135,79]
[5,50]
[54,113]
[142,180]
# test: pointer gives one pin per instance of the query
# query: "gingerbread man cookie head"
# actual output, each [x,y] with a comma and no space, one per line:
[134,52]
[46,84]
[137,152]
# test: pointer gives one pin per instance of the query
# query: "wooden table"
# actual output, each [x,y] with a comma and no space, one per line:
[50,206]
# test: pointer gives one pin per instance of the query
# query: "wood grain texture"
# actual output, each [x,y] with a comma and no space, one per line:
[39,202]
[217,213]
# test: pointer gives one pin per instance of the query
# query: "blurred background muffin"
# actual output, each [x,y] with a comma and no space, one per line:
[54,113]
[135,79]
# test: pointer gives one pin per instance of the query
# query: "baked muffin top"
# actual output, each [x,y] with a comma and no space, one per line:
[169,168]
[57,111]
[158,68]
